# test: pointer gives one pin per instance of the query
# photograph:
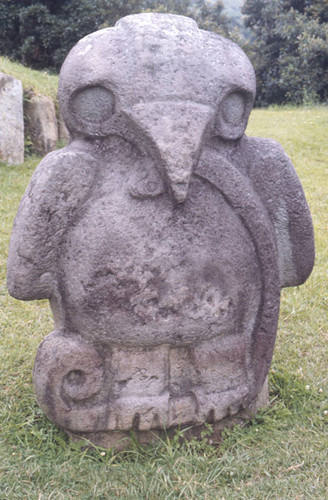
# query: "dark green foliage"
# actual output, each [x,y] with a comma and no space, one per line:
[290,49]
[208,14]
[41,33]
[9,28]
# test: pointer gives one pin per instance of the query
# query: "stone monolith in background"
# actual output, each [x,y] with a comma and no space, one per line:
[11,120]
[41,123]
[161,235]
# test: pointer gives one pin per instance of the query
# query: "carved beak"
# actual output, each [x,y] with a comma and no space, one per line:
[176,129]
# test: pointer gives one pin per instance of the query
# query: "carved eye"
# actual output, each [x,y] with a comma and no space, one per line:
[233,115]
[233,108]
[93,104]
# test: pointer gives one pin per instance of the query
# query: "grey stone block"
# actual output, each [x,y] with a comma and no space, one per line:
[11,120]
[41,121]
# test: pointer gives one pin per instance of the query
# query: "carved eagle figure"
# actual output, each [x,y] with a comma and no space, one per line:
[161,233]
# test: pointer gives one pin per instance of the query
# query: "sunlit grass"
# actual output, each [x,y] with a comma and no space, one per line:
[41,82]
[281,454]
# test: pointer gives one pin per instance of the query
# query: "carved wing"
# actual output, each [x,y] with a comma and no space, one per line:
[277,184]
[59,186]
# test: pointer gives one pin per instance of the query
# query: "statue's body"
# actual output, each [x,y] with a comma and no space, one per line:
[161,234]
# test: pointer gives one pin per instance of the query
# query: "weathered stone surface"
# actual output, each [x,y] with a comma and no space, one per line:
[161,236]
[41,123]
[63,134]
[11,120]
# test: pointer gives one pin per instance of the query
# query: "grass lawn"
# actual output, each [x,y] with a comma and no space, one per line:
[281,454]
[41,82]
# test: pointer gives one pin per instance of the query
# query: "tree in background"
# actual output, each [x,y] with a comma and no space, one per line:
[208,13]
[40,33]
[290,49]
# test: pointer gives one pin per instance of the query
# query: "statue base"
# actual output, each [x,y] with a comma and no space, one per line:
[120,441]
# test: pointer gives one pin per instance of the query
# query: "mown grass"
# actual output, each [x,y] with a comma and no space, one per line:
[41,82]
[281,454]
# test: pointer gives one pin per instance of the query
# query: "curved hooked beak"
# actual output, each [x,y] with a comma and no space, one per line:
[176,129]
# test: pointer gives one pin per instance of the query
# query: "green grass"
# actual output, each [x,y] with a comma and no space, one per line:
[41,82]
[281,454]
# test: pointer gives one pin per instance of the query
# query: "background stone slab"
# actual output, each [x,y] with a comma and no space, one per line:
[11,120]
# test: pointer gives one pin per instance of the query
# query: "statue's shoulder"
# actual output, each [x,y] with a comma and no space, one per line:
[269,165]
[266,150]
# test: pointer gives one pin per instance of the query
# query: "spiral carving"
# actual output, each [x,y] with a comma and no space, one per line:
[67,373]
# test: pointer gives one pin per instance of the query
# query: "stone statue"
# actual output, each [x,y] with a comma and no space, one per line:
[161,236]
